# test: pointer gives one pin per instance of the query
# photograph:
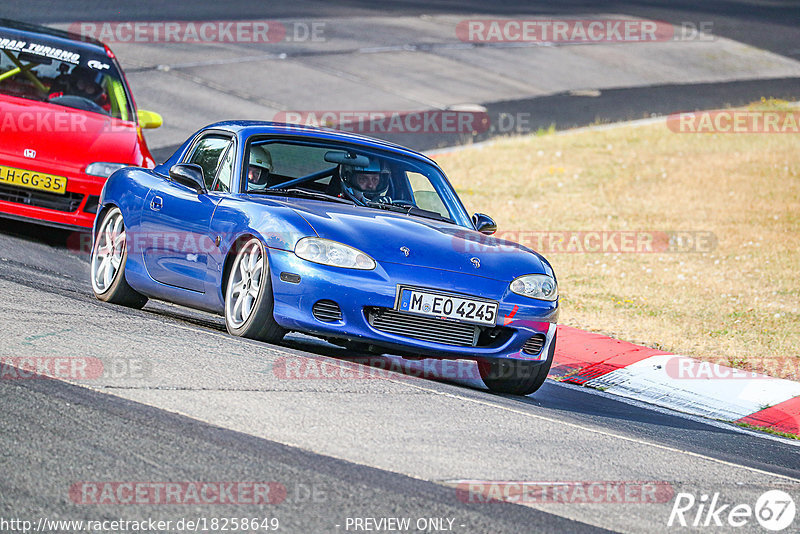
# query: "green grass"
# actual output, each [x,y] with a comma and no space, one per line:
[787,435]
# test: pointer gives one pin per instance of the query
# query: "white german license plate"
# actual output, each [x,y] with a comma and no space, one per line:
[452,307]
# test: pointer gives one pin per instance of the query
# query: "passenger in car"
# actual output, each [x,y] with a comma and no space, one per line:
[259,168]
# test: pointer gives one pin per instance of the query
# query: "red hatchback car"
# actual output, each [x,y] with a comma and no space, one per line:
[67,121]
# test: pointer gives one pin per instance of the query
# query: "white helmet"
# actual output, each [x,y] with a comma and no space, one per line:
[260,160]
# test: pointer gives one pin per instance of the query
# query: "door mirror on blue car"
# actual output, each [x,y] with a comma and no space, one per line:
[190,175]
[484,224]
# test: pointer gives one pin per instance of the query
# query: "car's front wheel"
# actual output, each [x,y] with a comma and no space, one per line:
[516,377]
[109,256]
[248,298]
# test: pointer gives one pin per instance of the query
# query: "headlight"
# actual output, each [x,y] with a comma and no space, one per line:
[329,252]
[103,169]
[536,286]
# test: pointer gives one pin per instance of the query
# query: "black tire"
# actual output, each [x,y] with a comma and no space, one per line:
[258,323]
[108,260]
[516,377]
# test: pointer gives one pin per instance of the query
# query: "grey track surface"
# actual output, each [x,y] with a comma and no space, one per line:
[212,407]
[772,25]
[439,431]
[108,438]
[385,56]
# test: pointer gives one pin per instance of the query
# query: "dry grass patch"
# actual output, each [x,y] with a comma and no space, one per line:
[738,304]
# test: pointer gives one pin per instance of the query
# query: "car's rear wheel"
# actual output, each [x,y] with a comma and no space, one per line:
[248,298]
[109,256]
[516,377]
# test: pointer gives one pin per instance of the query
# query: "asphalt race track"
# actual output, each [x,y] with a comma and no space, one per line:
[383,59]
[768,25]
[188,403]
[193,403]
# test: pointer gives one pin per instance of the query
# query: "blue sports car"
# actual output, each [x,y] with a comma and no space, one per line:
[364,243]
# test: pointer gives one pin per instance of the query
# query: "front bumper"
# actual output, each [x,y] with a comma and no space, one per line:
[76,209]
[358,293]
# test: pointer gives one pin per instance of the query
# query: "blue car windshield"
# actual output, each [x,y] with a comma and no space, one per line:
[376,179]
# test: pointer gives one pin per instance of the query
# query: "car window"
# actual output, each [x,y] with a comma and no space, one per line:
[208,154]
[364,175]
[223,181]
[425,195]
[94,84]
[273,163]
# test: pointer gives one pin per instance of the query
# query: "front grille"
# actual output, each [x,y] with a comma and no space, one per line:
[68,202]
[430,329]
[534,345]
[327,311]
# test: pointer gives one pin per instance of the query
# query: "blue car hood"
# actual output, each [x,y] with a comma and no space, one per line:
[433,244]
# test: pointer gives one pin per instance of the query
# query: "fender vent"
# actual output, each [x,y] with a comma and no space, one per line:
[534,345]
[327,311]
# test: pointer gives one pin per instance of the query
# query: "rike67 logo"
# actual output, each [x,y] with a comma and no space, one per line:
[774,510]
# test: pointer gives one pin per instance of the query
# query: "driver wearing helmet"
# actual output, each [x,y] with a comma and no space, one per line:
[259,168]
[81,82]
[370,182]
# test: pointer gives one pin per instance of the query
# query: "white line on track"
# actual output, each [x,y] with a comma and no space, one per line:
[574,425]
[603,432]
[666,411]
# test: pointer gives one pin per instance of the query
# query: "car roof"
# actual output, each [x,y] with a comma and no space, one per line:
[250,128]
[84,43]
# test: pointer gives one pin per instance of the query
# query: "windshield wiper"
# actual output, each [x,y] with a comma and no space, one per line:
[386,206]
[302,193]
[409,210]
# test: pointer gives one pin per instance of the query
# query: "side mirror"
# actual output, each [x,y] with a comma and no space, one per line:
[149,119]
[190,175]
[484,224]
